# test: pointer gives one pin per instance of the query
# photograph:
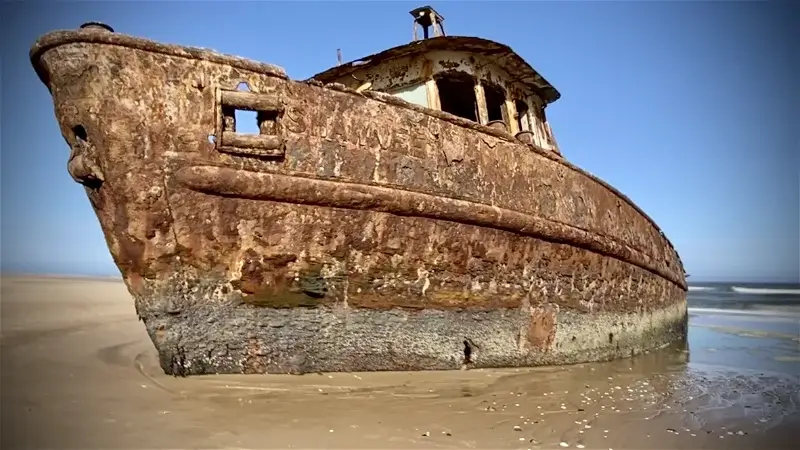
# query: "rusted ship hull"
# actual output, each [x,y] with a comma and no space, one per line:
[358,232]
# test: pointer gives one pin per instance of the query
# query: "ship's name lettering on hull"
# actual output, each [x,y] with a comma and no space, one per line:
[352,128]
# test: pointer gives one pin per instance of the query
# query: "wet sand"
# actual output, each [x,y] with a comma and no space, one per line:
[78,371]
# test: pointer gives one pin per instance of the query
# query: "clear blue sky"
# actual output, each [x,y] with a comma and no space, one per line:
[685,107]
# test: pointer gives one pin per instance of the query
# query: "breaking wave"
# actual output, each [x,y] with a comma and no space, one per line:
[701,288]
[787,313]
[763,298]
[764,291]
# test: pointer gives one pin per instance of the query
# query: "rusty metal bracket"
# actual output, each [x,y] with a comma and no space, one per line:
[268,143]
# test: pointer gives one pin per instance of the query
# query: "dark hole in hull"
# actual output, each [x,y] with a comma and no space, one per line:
[82,138]
[80,133]
[467,352]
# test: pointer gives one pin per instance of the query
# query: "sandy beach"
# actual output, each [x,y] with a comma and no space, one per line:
[78,371]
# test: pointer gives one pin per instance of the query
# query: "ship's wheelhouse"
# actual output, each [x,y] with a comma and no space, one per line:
[476,79]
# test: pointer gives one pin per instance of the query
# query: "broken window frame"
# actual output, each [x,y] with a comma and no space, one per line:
[523,115]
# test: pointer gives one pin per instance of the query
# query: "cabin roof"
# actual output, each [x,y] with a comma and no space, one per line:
[503,56]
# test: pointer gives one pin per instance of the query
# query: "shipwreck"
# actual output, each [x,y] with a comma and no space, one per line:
[411,210]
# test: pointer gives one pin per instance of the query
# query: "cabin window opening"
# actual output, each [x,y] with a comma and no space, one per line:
[415,93]
[523,118]
[495,102]
[457,94]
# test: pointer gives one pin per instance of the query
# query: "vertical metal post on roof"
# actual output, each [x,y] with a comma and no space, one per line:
[427,17]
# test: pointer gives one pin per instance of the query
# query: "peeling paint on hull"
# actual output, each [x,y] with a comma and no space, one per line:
[357,232]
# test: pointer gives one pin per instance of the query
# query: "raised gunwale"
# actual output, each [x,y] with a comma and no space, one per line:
[64,37]
[273,186]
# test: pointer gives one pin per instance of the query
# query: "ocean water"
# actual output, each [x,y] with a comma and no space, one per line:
[745,326]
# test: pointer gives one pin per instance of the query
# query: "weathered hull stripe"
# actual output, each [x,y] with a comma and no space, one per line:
[340,194]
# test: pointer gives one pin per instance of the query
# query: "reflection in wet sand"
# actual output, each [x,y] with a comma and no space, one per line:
[579,404]
[97,384]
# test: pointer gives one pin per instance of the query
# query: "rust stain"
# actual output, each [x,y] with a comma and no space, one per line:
[255,361]
[542,328]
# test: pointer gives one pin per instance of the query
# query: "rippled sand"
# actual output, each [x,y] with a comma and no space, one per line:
[78,371]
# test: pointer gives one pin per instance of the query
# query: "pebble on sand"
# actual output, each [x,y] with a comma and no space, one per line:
[563,444]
